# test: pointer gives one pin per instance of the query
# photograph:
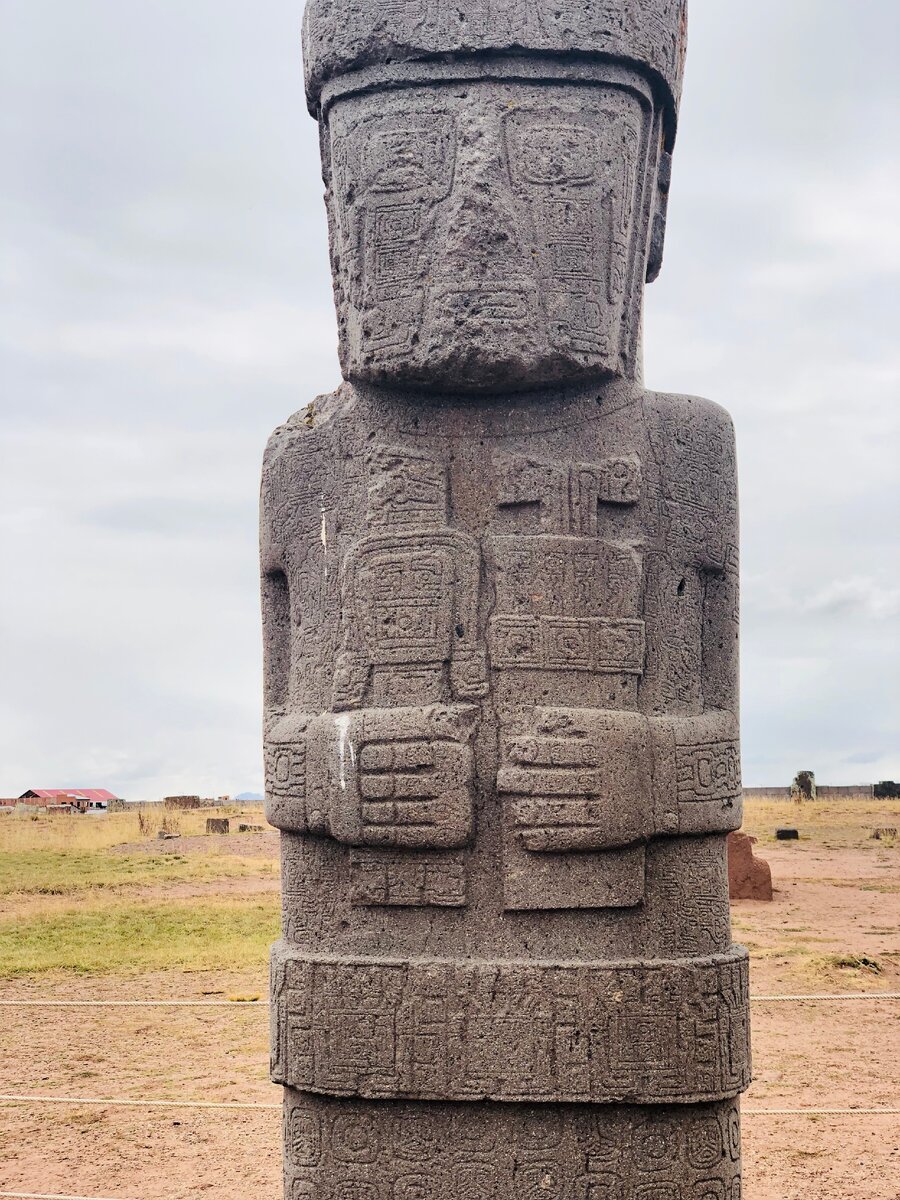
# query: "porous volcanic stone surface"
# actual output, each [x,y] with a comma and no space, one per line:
[500,590]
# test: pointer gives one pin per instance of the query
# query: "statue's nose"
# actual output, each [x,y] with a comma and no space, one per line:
[482,235]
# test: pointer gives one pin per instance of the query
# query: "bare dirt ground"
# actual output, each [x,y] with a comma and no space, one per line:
[245,845]
[834,927]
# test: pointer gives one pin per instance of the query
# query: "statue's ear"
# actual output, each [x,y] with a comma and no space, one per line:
[660,210]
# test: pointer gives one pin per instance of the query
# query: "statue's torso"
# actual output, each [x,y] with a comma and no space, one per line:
[492,636]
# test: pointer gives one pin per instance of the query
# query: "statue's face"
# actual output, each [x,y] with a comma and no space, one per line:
[490,235]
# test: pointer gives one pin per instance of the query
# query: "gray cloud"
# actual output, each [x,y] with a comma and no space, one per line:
[167,302]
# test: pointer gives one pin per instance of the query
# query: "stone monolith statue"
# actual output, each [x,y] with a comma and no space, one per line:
[500,601]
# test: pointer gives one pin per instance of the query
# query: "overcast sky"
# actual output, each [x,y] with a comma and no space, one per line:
[167,302]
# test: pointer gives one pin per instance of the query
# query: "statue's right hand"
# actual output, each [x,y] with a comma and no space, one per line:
[374,777]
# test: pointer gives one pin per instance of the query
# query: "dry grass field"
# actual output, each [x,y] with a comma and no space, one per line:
[96,907]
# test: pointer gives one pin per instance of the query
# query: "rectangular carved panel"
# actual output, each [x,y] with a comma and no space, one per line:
[547,882]
[583,577]
[507,1030]
[406,880]
[711,771]
[567,644]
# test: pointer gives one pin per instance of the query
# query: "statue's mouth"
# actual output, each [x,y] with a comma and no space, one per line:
[511,302]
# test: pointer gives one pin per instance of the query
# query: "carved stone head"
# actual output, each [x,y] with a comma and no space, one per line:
[495,214]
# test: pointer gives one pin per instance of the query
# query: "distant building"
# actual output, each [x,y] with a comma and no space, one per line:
[77,799]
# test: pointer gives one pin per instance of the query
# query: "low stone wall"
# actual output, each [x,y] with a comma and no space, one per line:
[181,801]
[864,791]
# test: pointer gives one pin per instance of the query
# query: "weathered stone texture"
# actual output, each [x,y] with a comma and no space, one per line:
[649,34]
[403,1151]
[424,178]
[500,587]
[749,876]
[803,786]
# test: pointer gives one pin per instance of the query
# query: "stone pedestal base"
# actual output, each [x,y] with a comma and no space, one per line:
[338,1149]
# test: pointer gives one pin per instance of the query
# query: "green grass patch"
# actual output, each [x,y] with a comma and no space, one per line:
[124,938]
[62,873]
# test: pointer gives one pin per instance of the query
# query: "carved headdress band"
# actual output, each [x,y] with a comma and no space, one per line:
[340,36]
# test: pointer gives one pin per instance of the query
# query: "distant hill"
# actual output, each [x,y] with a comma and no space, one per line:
[248,796]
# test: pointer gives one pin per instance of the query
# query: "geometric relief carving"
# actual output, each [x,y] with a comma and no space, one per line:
[400,172]
[687,900]
[401,880]
[506,1152]
[566,577]
[711,771]
[710,1189]
[285,759]
[409,593]
[548,643]
[597,1032]
[566,495]
[582,225]
[303,1137]
[697,772]
[699,498]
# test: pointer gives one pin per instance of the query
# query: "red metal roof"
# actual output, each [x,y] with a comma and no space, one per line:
[72,793]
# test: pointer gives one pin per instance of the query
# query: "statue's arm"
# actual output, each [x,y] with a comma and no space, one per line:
[696,758]
[275,598]
[285,741]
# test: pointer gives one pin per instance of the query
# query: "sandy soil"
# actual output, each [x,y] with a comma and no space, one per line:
[244,845]
[830,906]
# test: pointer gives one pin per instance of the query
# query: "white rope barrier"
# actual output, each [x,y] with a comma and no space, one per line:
[833,997]
[820,1112]
[249,1104]
[49,1196]
[111,1103]
[814,997]
[133,1004]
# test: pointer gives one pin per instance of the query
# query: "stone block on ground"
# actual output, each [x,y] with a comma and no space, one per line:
[749,877]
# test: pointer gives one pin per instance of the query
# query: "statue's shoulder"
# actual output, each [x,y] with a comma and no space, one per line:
[690,429]
[695,415]
[307,426]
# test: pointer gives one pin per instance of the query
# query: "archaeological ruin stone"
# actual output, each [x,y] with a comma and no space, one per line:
[500,594]
[803,786]
[749,876]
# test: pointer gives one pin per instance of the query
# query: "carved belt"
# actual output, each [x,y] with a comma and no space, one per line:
[481,1029]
